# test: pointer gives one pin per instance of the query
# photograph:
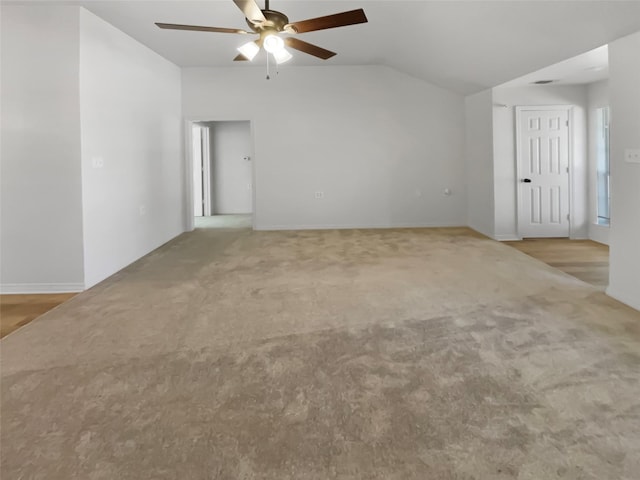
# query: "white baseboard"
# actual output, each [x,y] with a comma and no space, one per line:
[599,233]
[35,288]
[630,300]
[356,226]
[507,238]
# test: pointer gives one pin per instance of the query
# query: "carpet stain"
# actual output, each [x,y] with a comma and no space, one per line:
[411,401]
[534,384]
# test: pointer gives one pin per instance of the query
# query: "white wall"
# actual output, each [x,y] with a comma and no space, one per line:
[598,97]
[505,153]
[381,145]
[479,162]
[231,173]
[131,122]
[624,82]
[41,226]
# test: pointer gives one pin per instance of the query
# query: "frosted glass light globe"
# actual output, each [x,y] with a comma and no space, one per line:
[273,43]
[282,56]
[249,50]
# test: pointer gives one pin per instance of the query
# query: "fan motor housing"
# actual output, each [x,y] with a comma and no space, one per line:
[275,20]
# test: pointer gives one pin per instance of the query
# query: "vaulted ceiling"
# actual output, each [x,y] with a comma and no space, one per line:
[464,46]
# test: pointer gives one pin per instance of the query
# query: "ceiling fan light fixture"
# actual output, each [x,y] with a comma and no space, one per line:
[282,56]
[249,50]
[270,24]
[273,43]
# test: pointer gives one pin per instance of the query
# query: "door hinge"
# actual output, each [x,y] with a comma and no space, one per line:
[567,169]
[568,216]
[567,123]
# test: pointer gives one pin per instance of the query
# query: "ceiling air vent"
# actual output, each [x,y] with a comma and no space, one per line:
[542,82]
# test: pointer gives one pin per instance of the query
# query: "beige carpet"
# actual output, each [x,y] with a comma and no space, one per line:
[224,221]
[386,354]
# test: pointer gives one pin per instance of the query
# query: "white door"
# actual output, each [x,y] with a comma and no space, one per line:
[543,168]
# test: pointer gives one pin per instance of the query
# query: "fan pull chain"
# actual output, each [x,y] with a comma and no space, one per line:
[268,77]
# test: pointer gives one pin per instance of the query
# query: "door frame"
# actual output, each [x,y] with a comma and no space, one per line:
[206,173]
[189,223]
[570,144]
[205,169]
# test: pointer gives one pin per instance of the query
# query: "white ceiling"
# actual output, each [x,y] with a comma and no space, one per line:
[589,67]
[465,46]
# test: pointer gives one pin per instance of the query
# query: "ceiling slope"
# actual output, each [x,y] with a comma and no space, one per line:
[464,46]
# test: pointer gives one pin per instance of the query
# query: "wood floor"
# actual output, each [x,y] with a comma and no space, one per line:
[583,259]
[18,310]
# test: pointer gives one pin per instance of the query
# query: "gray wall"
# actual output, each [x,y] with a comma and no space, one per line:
[381,146]
[479,158]
[92,171]
[231,174]
[624,67]
[41,191]
[131,121]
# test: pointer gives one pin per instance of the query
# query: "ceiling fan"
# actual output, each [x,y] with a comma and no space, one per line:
[270,23]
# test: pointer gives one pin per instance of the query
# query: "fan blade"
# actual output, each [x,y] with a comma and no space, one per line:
[173,26]
[251,10]
[343,19]
[308,48]
[241,58]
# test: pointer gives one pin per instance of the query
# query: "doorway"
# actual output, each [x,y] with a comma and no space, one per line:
[543,167]
[201,171]
[222,174]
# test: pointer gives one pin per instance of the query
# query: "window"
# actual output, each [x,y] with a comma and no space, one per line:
[602,166]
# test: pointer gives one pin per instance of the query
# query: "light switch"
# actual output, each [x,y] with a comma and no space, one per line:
[632,155]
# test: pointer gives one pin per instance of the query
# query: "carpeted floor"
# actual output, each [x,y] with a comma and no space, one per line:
[371,354]
[224,221]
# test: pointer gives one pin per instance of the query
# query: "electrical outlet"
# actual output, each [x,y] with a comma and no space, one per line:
[97,162]
[319,194]
[447,192]
[632,155]
[143,210]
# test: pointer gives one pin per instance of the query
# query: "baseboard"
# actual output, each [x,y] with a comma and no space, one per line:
[599,233]
[630,300]
[507,238]
[35,288]
[357,226]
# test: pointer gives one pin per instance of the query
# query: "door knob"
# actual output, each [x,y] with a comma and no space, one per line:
[526,180]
